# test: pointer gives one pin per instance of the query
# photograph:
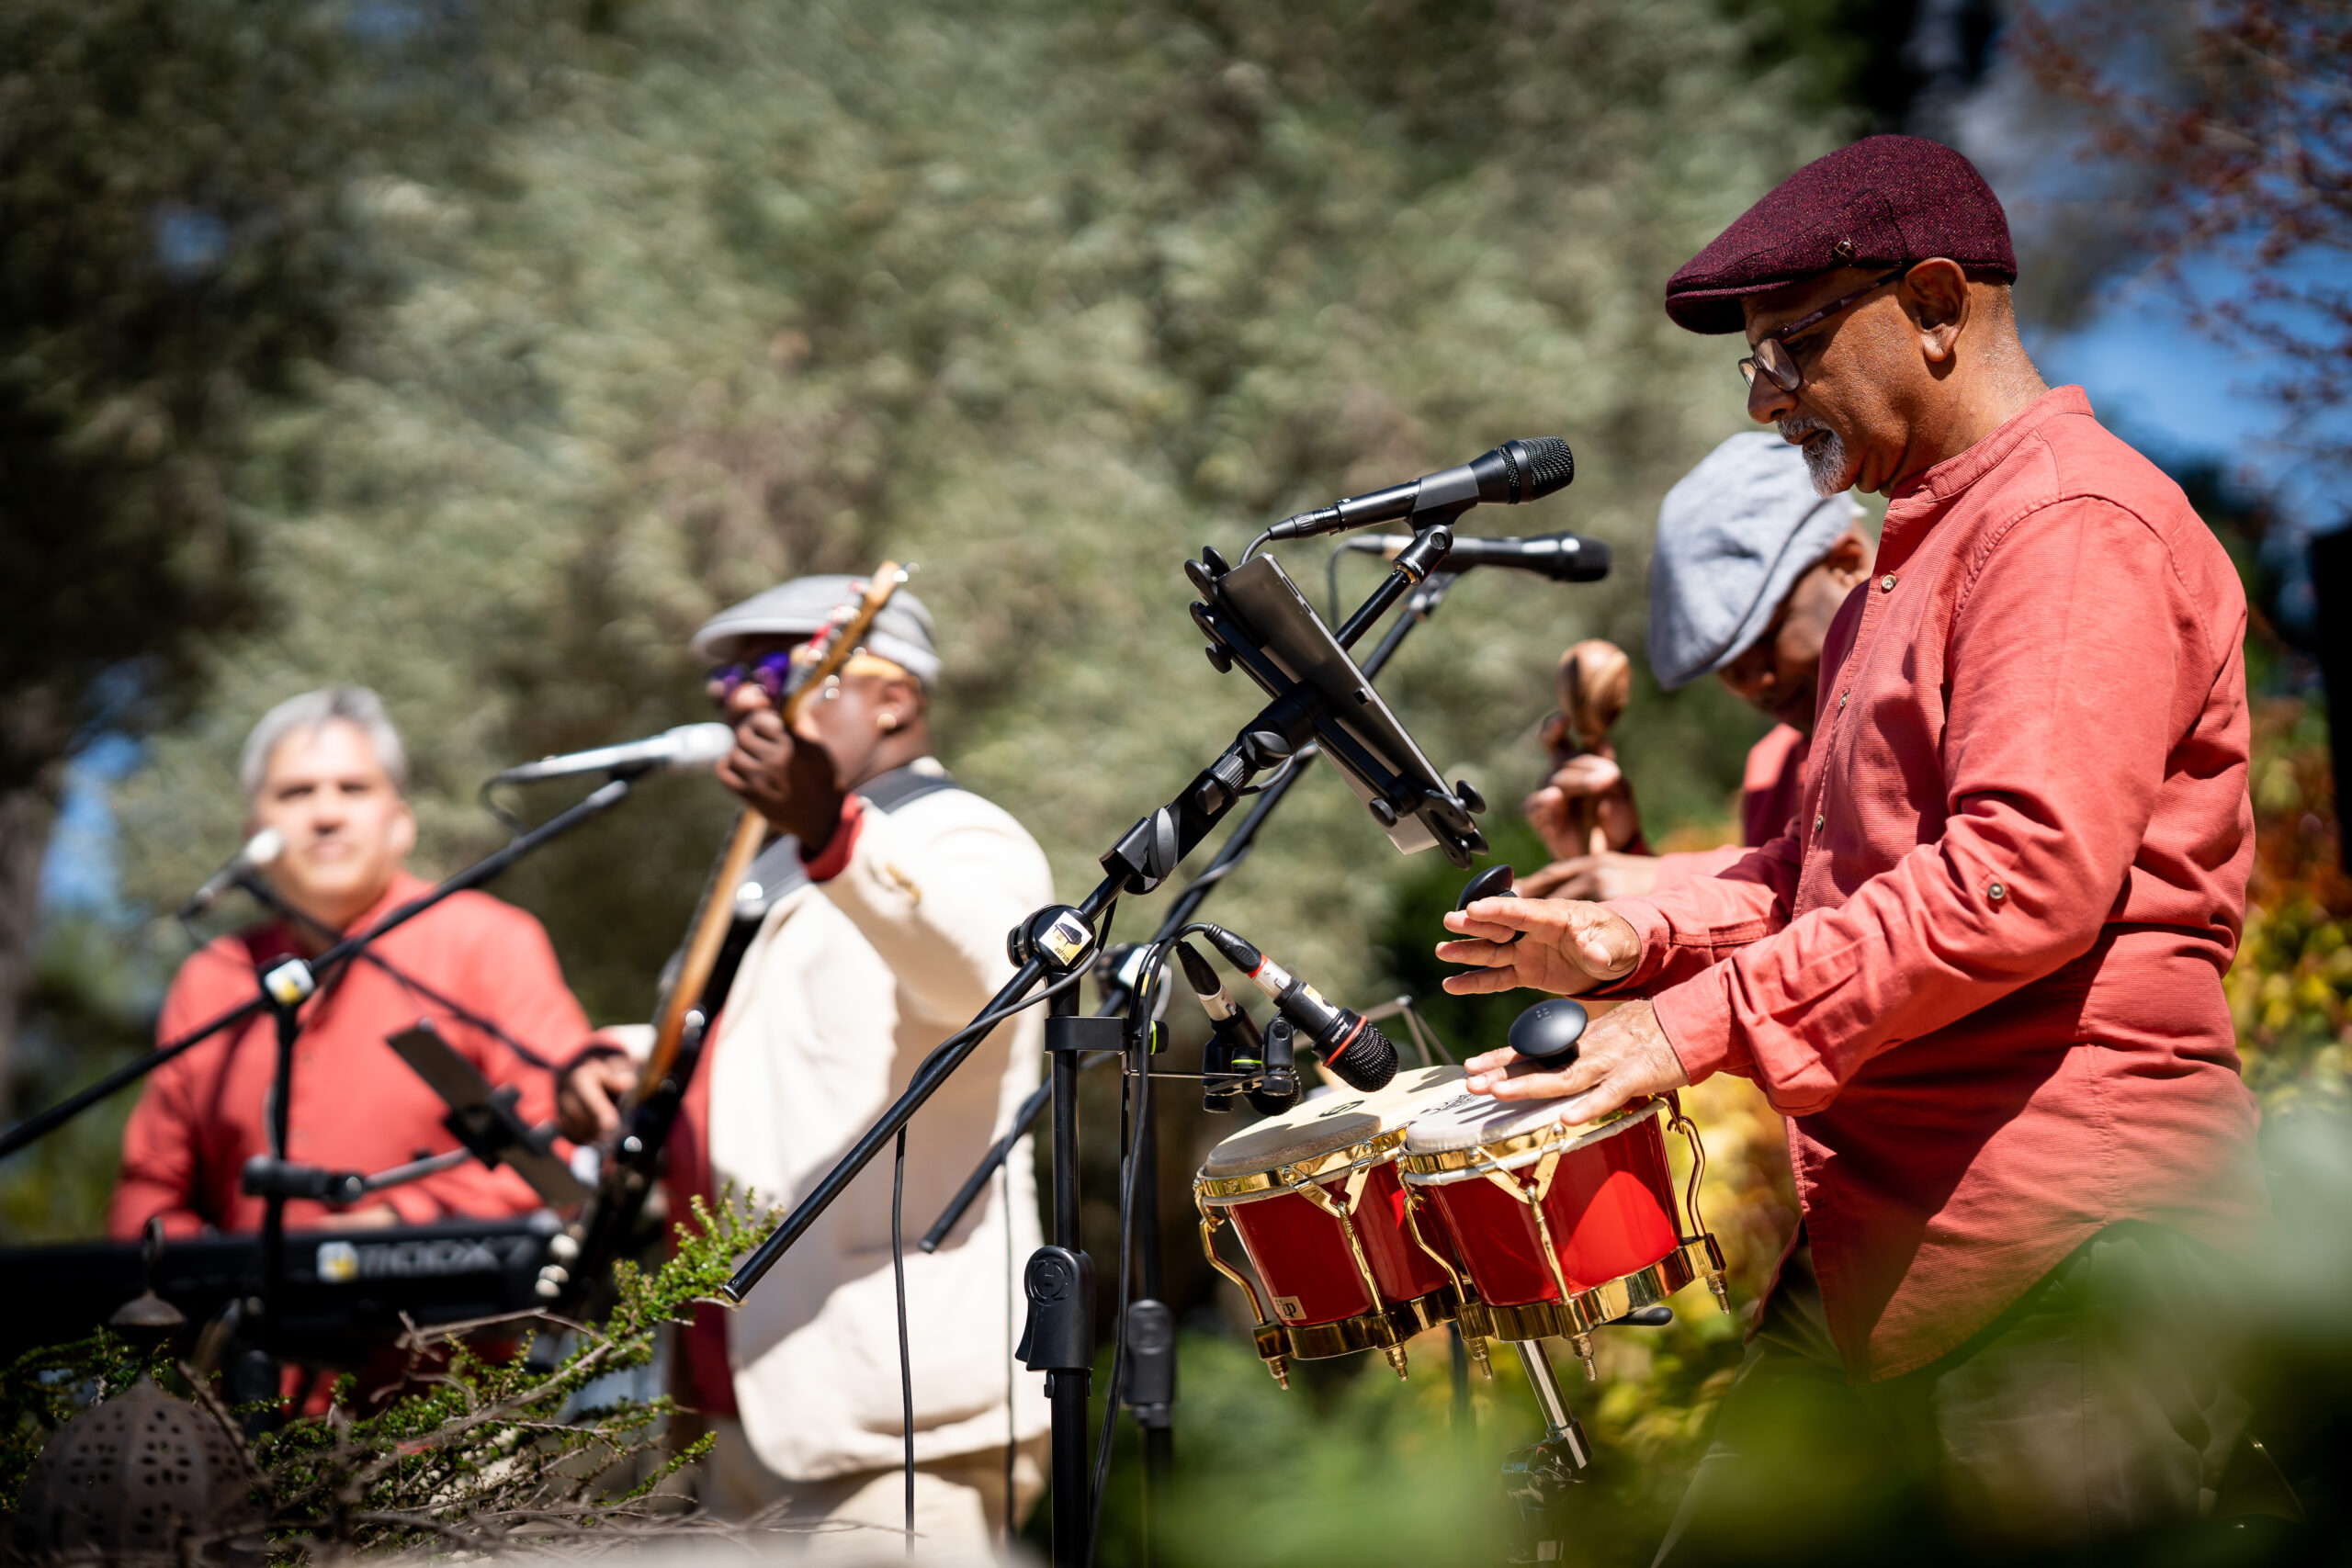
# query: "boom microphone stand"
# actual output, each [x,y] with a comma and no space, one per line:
[1053,944]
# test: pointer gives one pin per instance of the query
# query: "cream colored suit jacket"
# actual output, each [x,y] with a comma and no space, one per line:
[847,987]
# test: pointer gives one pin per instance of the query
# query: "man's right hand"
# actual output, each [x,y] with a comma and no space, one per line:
[588,1095]
[1595,878]
[1569,947]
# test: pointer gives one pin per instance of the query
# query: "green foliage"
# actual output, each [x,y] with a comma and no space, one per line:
[90,1009]
[1041,298]
[177,245]
[2290,988]
[43,1388]
[1351,1465]
[482,1446]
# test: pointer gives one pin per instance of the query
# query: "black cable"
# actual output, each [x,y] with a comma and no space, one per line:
[1142,1002]
[293,915]
[462,1013]
[905,1359]
[987,1021]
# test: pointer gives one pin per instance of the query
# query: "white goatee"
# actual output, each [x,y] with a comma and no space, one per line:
[1824,460]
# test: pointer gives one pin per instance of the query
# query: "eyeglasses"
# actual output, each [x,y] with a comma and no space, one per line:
[1772,359]
[773,672]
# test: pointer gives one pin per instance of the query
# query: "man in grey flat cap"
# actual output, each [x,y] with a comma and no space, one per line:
[881,911]
[1749,567]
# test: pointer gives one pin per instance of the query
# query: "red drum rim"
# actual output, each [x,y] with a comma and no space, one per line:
[1437,1168]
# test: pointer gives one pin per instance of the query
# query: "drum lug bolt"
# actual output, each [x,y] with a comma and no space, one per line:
[1723,1295]
[1395,1354]
[1273,1351]
[1583,1343]
[1477,1348]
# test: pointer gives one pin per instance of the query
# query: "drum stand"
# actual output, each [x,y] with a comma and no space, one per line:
[1537,1475]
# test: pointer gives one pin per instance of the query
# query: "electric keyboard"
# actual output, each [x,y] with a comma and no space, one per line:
[344,1291]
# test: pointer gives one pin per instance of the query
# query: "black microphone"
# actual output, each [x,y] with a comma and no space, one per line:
[260,850]
[1361,1056]
[684,749]
[1512,472]
[1562,557]
[1236,1053]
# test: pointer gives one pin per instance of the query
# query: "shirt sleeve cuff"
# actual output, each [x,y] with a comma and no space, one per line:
[842,845]
[1652,927]
[1696,1017]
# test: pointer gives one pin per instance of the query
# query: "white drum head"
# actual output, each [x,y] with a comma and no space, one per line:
[1332,1122]
[1469,1122]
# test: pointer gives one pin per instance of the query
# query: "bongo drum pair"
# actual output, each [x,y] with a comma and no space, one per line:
[1369,1218]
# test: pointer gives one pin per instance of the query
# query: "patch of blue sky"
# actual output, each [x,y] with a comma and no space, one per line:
[78,871]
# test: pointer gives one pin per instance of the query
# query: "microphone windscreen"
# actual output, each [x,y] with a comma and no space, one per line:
[1273,1102]
[702,745]
[1548,462]
[1366,1061]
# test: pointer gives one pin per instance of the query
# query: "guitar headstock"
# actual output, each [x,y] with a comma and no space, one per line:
[834,643]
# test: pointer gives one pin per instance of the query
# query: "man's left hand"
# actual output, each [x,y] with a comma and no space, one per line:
[788,779]
[1622,1057]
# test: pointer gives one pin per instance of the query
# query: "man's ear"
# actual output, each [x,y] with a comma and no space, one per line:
[1936,292]
[404,831]
[904,700]
[1848,557]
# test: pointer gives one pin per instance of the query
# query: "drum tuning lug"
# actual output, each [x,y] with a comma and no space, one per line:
[1583,1343]
[1274,1349]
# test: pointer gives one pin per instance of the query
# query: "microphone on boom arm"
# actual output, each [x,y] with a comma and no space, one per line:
[1562,557]
[1357,1054]
[259,850]
[1514,472]
[688,749]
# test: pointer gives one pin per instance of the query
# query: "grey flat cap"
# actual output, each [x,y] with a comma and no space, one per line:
[902,632]
[1734,536]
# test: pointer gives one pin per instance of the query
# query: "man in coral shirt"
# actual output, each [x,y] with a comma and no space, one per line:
[1981,971]
[326,769]
[1749,567]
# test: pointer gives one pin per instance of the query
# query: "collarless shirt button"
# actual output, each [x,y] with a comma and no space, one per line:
[1818,822]
[1886,583]
[1842,700]
[1996,891]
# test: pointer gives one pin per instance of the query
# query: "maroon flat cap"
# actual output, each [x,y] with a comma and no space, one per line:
[1884,202]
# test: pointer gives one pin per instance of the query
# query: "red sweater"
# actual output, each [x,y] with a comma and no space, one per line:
[1982,968]
[357,1106]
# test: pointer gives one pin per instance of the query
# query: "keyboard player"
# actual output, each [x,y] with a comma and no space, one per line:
[327,770]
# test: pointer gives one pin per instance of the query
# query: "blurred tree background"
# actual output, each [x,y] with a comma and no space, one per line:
[479,354]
